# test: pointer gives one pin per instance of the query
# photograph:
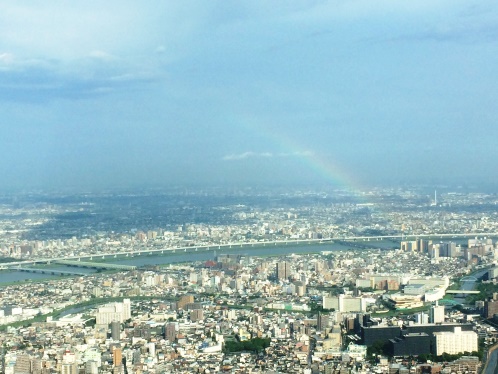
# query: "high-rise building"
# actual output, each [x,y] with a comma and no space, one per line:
[448,249]
[454,342]
[283,270]
[142,331]
[437,314]
[114,312]
[23,364]
[419,245]
[300,288]
[196,315]
[151,347]
[91,367]
[343,303]
[36,365]
[184,300]
[421,318]
[491,307]
[334,336]
[69,368]
[322,322]
[423,245]
[117,356]
[434,251]
[115,330]
[170,332]
[93,354]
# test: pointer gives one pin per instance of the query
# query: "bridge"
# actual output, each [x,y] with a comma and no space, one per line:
[76,260]
[462,292]
[469,278]
[94,265]
[49,271]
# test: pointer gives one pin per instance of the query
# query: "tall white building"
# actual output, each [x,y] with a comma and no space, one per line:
[437,314]
[343,303]
[114,312]
[421,318]
[455,342]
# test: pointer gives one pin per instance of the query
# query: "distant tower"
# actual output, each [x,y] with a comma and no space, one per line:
[435,197]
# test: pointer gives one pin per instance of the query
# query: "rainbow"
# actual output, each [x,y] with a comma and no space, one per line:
[323,166]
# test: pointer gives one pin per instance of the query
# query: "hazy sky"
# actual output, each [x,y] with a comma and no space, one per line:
[359,92]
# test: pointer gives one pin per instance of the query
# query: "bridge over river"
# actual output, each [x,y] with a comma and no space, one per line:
[353,241]
[49,271]
[94,265]
[462,292]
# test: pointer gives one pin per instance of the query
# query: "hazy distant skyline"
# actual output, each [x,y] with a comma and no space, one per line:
[353,92]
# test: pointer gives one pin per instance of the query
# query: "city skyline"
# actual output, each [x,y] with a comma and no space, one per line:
[344,93]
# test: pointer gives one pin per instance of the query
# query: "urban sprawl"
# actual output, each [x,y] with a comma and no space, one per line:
[391,281]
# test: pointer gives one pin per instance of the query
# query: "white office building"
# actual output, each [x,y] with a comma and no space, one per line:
[455,342]
[437,314]
[114,312]
[343,303]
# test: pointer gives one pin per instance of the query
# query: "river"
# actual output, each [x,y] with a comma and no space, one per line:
[491,362]
[199,255]
[469,285]
[205,255]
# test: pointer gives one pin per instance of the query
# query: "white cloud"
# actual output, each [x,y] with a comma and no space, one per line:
[245,155]
[250,154]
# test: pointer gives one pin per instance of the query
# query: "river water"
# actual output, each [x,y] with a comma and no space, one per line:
[200,255]
[469,285]
[205,255]
[492,362]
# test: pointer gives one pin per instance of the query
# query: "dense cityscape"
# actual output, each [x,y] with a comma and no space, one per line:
[271,187]
[309,281]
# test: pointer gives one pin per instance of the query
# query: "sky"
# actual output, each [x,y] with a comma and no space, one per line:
[160,93]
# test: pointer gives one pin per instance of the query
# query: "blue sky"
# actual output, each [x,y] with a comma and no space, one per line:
[124,93]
